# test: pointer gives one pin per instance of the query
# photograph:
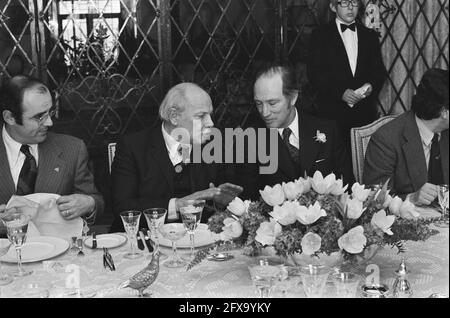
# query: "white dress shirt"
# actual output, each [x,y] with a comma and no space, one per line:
[426,135]
[350,40]
[294,139]
[176,158]
[15,157]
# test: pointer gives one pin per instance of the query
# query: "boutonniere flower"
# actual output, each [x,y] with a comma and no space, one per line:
[320,137]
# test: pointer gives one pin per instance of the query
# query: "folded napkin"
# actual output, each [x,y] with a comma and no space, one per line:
[361,91]
[46,220]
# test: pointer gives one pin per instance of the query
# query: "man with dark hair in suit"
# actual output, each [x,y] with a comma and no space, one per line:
[155,168]
[305,143]
[34,160]
[345,56]
[412,150]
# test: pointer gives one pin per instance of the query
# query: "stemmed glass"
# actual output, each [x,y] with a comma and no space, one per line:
[346,284]
[5,279]
[443,202]
[155,218]
[314,279]
[264,277]
[16,228]
[191,214]
[130,221]
[173,232]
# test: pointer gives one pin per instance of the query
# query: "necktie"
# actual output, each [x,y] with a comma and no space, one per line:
[27,176]
[293,152]
[435,166]
[351,27]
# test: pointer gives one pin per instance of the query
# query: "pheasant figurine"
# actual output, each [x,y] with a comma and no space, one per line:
[145,277]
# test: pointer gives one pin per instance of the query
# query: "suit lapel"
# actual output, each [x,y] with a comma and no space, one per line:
[309,147]
[414,155]
[50,167]
[6,180]
[444,154]
[158,151]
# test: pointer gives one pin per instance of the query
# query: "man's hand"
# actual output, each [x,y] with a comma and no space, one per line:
[427,194]
[228,192]
[350,97]
[207,194]
[231,188]
[75,205]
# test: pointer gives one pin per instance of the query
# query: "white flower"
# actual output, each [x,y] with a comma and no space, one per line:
[286,214]
[320,137]
[306,183]
[383,222]
[408,210]
[273,196]
[353,241]
[311,214]
[323,185]
[238,207]
[387,201]
[338,188]
[292,190]
[231,229]
[268,232]
[359,192]
[394,205]
[354,208]
[311,243]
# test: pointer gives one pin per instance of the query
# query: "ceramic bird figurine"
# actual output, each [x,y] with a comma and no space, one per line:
[145,277]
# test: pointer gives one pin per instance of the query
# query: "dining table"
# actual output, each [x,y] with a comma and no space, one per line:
[70,275]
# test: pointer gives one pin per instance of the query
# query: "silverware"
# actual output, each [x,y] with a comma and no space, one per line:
[80,247]
[74,246]
[148,241]
[94,240]
[140,240]
[108,260]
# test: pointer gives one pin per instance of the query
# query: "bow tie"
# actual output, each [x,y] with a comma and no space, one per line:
[350,26]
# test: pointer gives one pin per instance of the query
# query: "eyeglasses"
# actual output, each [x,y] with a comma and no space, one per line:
[346,3]
[42,118]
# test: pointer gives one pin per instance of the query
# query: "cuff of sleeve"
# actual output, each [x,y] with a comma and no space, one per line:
[90,218]
[172,210]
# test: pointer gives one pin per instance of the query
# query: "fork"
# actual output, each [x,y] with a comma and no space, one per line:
[80,247]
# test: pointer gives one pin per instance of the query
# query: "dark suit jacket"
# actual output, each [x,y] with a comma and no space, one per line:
[62,169]
[330,74]
[142,175]
[395,151]
[326,157]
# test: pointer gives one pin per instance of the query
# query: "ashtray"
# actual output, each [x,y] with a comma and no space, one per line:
[375,291]
[220,257]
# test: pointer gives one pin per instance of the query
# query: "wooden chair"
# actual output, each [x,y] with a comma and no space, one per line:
[111,153]
[360,137]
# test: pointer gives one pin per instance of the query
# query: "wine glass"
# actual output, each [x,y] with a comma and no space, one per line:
[5,279]
[443,202]
[191,214]
[16,229]
[314,279]
[155,218]
[346,284]
[130,221]
[264,277]
[173,232]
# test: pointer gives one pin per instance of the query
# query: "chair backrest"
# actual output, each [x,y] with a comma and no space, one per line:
[111,153]
[360,137]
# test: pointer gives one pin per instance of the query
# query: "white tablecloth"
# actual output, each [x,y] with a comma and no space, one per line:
[428,263]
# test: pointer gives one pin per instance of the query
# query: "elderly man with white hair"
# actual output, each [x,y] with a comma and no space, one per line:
[154,168]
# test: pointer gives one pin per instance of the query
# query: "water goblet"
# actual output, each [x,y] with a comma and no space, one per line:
[314,279]
[443,202]
[16,229]
[173,232]
[130,221]
[191,214]
[346,284]
[5,279]
[264,278]
[155,218]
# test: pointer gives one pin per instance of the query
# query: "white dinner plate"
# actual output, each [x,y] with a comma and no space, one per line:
[38,248]
[106,240]
[203,237]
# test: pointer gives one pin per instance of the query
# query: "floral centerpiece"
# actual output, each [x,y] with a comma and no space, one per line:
[317,217]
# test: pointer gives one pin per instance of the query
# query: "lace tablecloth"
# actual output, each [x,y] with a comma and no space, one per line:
[428,263]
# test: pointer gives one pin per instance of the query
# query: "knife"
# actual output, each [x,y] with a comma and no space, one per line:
[107,260]
[140,240]
[94,240]
[148,241]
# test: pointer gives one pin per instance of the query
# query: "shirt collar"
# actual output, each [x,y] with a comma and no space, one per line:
[425,133]
[293,126]
[172,144]
[13,147]
[339,22]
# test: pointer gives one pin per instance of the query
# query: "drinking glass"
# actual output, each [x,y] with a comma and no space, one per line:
[443,202]
[16,229]
[264,278]
[173,232]
[191,214]
[346,284]
[130,221]
[5,279]
[155,218]
[314,279]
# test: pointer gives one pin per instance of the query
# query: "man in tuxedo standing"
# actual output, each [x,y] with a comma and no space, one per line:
[154,168]
[345,56]
[412,150]
[305,143]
